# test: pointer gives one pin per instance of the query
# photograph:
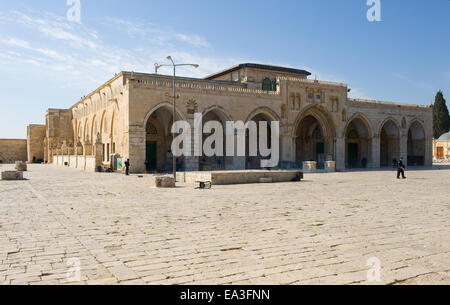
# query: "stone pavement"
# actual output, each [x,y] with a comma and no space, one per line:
[320,231]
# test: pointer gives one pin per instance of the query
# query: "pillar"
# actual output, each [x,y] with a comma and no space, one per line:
[137,149]
[340,154]
[404,149]
[98,153]
[376,152]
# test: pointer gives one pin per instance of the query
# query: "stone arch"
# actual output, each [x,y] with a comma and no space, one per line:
[390,134]
[79,133]
[220,114]
[363,119]
[85,129]
[417,148]
[258,115]
[266,111]
[322,115]
[94,129]
[158,154]
[358,136]
[314,135]
[397,124]
[166,105]
[103,127]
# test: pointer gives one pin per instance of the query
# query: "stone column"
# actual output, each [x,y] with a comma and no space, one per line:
[98,153]
[404,149]
[87,148]
[191,163]
[429,152]
[376,152]
[137,149]
[340,154]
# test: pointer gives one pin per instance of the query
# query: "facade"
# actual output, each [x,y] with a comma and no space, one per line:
[131,116]
[441,147]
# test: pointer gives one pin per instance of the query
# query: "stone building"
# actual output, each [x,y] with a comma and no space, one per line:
[131,116]
[441,147]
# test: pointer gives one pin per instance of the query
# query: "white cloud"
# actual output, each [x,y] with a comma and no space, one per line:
[77,54]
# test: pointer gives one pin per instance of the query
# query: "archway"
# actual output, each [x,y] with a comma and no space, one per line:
[254,162]
[358,143]
[215,162]
[158,140]
[416,145]
[389,143]
[314,137]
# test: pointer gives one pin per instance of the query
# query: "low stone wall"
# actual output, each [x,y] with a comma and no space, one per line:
[12,151]
[86,163]
[240,177]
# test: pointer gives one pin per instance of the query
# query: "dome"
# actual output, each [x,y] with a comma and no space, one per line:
[445,137]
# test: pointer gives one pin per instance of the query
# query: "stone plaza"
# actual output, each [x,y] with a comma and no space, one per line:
[322,230]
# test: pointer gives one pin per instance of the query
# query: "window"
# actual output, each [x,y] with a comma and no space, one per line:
[267,84]
[236,77]
[114,148]
[103,152]
[107,152]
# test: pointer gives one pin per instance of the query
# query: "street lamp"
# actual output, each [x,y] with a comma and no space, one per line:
[157,67]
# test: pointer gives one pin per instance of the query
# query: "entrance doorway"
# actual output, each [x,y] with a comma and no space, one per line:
[320,155]
[151,156]
[353,155]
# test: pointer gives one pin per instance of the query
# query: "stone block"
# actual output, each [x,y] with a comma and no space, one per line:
[330,166]
[165,181]
[21,166]
[309,166]
[12,175]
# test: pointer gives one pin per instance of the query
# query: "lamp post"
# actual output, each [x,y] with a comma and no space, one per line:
[174,66]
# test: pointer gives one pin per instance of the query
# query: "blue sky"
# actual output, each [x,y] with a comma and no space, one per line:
[47,61]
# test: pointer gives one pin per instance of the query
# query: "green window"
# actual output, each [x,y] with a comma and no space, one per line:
[267,84]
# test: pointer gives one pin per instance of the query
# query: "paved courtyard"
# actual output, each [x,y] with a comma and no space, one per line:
[319,231]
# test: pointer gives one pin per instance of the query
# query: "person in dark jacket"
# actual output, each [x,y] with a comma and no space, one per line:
[127,167]
[401,169]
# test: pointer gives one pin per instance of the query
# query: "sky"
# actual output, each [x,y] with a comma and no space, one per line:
[49,60]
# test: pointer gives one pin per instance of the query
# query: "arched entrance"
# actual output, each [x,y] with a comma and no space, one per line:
[158,141]
[389,144]
[215,163]
[315,134]
[358,143]
[416,145]
[254,162]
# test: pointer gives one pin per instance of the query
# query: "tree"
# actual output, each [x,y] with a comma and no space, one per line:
[441,117]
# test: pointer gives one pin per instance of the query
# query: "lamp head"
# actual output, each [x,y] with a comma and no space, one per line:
[196,66]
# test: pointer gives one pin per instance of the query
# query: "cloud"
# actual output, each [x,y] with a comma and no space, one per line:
[78,55]
[155,34]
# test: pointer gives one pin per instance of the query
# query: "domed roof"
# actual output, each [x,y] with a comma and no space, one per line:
[445,137]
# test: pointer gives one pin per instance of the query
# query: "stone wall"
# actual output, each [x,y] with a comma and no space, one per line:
[13,150]
[35,142]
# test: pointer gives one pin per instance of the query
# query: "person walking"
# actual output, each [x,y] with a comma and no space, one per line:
[127,167]
[401,169]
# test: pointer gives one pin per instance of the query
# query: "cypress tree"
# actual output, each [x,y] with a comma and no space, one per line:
[441,117]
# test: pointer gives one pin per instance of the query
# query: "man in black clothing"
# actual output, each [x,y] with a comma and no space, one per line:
[127,167]
[401,169]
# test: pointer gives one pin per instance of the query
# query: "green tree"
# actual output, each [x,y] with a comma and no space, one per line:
[441,117]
